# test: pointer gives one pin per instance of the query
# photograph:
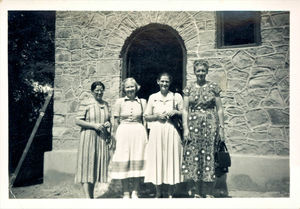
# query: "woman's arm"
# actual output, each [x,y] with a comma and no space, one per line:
[185,116]
[220,113]
[84,124]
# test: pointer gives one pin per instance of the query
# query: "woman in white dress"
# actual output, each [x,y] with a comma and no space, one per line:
[131,138]
[164,149]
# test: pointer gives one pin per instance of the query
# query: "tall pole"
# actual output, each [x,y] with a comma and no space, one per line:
[32,135]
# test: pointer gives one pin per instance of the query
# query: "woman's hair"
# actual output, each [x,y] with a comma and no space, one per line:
[165,74]
[97,83]
[137,86]
[201,62]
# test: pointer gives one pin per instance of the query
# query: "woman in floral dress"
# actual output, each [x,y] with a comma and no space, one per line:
[203,123]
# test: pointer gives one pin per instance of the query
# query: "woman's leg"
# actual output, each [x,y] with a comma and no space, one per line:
[158,191]
[125,188]
[88,190]
[170,190]
[207,189]
[135,185]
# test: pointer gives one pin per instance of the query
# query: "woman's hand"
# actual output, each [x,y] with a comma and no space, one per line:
[172,113]
[107,124]
[221,134]
[99,126]
[162,117]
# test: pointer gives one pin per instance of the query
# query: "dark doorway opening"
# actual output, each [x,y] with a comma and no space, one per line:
[151,50]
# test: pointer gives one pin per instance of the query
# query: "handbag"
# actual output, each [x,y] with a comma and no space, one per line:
[176,120]
[222,159]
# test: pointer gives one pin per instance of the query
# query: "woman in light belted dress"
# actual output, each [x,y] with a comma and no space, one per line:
[164,150]
[131,138]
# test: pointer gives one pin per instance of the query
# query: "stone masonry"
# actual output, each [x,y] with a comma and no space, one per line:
[254,80]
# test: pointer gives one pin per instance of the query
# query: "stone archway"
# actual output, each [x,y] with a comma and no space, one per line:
[153,49]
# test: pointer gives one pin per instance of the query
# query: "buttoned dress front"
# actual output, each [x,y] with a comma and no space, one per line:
[92,156]
[131,139]
[164,149]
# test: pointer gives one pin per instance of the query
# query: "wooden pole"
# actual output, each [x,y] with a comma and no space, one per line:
[32,135]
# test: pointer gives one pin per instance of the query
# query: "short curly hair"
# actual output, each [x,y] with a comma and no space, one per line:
[137,86]
[201,62]
[97,83]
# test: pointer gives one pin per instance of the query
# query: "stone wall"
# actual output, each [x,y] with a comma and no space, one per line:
[254,80]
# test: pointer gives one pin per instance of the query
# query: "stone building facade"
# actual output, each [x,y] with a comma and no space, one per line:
[254,80]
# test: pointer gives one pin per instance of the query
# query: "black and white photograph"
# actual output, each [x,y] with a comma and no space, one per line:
[131,105]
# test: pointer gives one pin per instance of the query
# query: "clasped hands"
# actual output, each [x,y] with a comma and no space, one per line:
[102,126]
[163,117]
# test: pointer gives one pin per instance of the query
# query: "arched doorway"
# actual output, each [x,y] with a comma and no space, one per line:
[150,50]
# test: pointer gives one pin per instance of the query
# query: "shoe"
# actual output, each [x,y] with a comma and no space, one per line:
[197,196]
[170,196]
[134,195]
[209,196]
[126,195]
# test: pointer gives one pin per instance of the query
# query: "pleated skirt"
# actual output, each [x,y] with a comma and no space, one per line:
[92,158]
[163,155]
[129,157]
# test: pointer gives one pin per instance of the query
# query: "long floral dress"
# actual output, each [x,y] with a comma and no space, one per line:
[198,161]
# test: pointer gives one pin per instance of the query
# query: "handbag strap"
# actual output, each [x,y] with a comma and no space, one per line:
[174,107]
[142,109]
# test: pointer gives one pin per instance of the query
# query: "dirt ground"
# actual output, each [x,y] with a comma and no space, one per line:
[67,190]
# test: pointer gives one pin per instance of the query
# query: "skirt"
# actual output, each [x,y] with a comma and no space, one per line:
[92,158]
[129,157]
[163,155]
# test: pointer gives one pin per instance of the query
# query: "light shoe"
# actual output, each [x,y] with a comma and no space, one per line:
[134,195]
[209,196]
[126,195]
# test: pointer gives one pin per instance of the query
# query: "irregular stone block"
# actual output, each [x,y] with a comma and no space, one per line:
[278,117]
[237,74]
[282,147]
[76,55]
[58,131]
[275,133]
[75,44]
[281,19]
[233,110]
[63,32]
[60,108]
[207,37]
[273,100]
[261,81]
[258,136]
[69,95]
[266,22]
[242,60]
[235,85]
[59,119]
[73,106]
[257,117]
[62,56]
[272,34]
[108,67]
[273,61]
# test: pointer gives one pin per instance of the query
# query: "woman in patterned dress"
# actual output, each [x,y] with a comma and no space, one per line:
[92,158]
[203,123]
[131,138]
[164,149]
